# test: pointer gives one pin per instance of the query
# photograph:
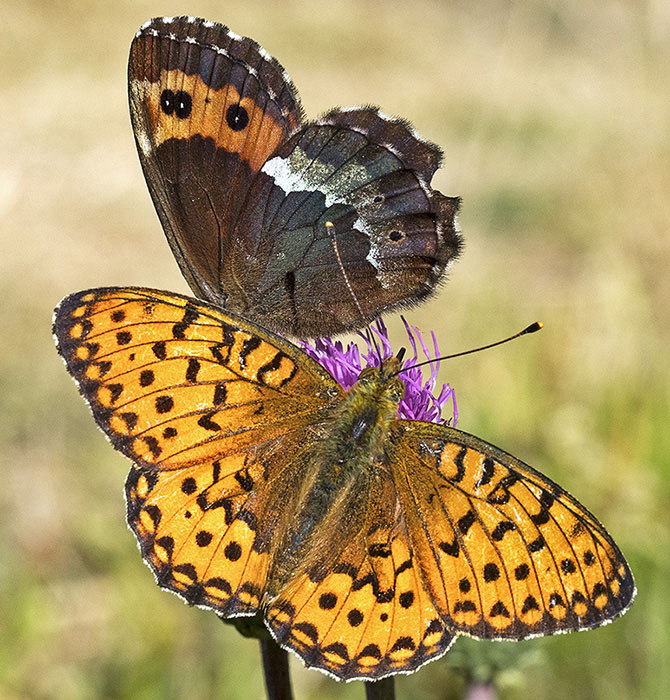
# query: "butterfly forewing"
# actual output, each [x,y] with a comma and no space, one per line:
[174,382]
[208,108]
[244,189]
[505,552]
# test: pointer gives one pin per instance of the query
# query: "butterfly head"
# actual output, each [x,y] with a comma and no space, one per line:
[384,380]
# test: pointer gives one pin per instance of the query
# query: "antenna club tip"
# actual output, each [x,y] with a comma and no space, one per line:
[534,327]
[329,224]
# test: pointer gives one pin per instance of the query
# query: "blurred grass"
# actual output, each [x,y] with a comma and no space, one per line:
[554,122]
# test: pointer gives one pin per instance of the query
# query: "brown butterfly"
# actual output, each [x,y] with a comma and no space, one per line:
[244,187]
[366,541]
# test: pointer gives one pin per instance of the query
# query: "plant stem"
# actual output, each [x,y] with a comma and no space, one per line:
[275,667]
[383,689]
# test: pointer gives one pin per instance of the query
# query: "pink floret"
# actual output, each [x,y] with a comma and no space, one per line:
[420,401]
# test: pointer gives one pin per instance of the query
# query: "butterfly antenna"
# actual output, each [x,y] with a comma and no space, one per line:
[534,327]
[330,228]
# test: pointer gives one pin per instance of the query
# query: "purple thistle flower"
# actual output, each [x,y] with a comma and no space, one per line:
[420,401]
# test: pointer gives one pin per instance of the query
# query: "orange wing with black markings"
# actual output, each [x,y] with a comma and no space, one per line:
[175,382]
[369,613]
[199,400]
[505,552]
[366,541]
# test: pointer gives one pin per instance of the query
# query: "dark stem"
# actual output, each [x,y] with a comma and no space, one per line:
[275,667]
[383,689]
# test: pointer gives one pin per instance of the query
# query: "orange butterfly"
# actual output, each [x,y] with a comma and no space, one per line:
[368,542]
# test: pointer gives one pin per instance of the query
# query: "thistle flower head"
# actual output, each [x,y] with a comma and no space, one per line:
[420,401]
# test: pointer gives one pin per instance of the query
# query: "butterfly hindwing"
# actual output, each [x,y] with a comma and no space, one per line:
[392,235]
[365,613]
[244,188]
[505,552]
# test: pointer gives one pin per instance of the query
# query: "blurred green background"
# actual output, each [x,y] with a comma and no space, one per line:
[554,118]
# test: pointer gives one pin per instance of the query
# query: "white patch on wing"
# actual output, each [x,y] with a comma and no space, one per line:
[145,143]
[279,169]
[300,173]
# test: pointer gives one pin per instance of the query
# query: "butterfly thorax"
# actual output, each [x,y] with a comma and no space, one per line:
[361,423]
[341,471]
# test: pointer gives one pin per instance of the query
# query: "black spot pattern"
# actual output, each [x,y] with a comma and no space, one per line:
[521,572]
[555,599]
[244,479]
[589,557]
[568,566]
[308,630]
[188,486]
[403,643]
[123,337]
[406,599]
[147,377]
[115,391]
[164,403]
[192,370]
[327,601]
[499,609]
[465,523]
[460,466]
[159,350]
[371,650]
[207,423]
[529,604]
[500,529]
[379,550]
[450,548]
[464,585]
[540,518]
[233,551]
[237,117]
[203,538]
[487,472]
[248,346]
[338,649]
[491,572]
[178,103]
[153,445]
[355,617]
[220,393]
[577,598]
[130,419]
